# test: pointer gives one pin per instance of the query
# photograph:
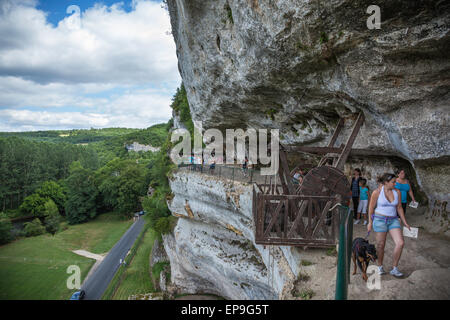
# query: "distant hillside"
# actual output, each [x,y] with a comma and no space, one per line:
[74,136]
[108,149]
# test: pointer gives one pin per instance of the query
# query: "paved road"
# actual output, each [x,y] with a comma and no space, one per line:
[97,283]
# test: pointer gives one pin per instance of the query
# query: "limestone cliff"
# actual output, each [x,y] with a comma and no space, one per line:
[297,66]
[212,248]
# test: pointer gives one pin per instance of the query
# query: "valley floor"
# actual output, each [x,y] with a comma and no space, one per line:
[35,268]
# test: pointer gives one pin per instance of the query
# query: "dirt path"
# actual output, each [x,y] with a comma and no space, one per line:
[87,254]
[425,262]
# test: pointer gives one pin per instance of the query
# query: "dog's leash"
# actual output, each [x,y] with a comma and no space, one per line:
[367,235]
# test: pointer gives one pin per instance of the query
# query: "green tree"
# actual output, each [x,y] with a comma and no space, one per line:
[156,207]
[52,190]
[82,194]
[133,185]
[33,228]
[33,205]
[107,178]
[52,217]
[5,229]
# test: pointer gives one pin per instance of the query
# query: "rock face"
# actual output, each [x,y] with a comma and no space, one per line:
[135,146]
[158,254]
[298,66]
[212,248]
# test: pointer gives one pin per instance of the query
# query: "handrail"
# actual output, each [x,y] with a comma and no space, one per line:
[234,173]
[344,252]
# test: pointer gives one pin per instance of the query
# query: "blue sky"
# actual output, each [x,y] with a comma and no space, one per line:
[56,9]
[101,64]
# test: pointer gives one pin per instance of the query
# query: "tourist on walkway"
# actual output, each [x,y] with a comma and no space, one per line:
[192,162]
[403,185]
[298,178]
[363,201]
[384,209]
[212,165]
[354,187]
[245,166]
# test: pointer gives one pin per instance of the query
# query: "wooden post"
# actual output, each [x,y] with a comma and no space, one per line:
[348,146]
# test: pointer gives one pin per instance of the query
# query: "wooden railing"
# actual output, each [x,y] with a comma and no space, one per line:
[294,220]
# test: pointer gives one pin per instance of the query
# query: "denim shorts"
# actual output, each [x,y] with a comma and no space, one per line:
[381,224]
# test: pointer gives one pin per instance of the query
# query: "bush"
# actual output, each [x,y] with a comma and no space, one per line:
[52,217]
[165,225]
[33,205]
[5,229]
[156,207]
[34,228]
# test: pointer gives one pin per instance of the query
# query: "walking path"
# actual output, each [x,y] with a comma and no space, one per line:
[425,263]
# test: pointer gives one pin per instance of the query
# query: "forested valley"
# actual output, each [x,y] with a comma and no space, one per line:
[73,176]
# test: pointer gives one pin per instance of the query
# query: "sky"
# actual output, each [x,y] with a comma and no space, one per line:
[74,64]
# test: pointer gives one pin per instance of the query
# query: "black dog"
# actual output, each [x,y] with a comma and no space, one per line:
[362,253]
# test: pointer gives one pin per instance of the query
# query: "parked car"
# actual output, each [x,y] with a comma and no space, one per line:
[141,213]
[78,295]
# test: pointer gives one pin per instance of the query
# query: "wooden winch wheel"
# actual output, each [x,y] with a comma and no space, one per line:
[325,181]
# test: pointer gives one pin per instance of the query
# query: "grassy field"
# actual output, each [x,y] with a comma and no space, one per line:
[97,236]
[35,268]
[136,277]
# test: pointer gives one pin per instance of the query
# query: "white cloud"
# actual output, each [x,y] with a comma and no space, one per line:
[108,45]
[106,67]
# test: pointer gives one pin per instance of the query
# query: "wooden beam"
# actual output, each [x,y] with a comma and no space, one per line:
[348,146]
[336,151]
[284,173]
[299,218]
[338,129]
[322,217]
[274,218]
[333,139]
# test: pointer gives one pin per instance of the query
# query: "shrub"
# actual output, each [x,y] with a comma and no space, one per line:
[52,217]
[33,205]
[165,225]
[34,228]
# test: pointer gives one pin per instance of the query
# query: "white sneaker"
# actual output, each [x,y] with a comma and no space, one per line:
[381,270]
[365,222]
[396,273]
[356,222]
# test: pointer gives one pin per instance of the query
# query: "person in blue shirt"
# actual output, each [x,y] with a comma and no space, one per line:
[403,185]
[363,201]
